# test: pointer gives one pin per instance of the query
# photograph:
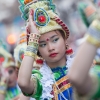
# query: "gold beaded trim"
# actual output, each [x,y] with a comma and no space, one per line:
[34,80]
[93,41]
[31,54]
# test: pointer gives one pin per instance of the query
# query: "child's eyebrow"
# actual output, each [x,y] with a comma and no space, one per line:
[53,36]
[50,38]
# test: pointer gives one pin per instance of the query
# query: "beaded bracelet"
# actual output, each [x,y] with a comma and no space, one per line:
[33,44]
[31,49]
[94,30]
[34,35]
[33,40]
[31,54]
[92,40]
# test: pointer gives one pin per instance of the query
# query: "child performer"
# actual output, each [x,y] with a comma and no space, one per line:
[47,37]
[8,82]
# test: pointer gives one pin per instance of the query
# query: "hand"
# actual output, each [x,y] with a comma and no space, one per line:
[31,27]
[88,12]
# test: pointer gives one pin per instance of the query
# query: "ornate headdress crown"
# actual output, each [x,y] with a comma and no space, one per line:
[45,15]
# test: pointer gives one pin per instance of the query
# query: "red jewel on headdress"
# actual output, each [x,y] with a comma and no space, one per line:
[2,59]
[39,61]
[69,51]
[22,56]
[42,19]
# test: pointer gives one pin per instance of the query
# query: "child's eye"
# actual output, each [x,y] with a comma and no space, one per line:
[42,45]
[55,40]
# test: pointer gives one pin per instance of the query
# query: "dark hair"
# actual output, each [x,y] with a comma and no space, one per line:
[62,34]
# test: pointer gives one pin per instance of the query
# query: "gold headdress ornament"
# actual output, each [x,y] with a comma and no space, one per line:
[20,49]
[44,15]
[6,58]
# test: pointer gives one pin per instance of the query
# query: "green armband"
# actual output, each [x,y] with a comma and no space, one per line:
[97,73]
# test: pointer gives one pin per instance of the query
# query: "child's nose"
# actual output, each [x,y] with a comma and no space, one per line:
[50,47]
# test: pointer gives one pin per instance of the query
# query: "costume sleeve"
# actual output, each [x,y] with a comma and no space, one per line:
[96,72]
[36,76]
[95,91]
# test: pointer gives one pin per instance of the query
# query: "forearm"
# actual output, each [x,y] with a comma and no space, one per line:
[25,75]
[79,72]
[82,63]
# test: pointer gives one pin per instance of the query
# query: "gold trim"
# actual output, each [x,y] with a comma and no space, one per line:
[65,87]
[93,41]
[55,93]
[62,80]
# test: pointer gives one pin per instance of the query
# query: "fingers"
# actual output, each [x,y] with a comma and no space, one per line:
[28,29]
[32,26]
[31,16]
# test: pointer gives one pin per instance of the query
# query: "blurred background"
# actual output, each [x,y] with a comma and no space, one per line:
[11,24]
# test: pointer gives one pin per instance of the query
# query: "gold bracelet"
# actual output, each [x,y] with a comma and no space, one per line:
[96,24]
[31,54]
[33,44]
[92,40]
[34,35]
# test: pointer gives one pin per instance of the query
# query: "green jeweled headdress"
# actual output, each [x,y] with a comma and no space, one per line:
[45,15]
[24,8]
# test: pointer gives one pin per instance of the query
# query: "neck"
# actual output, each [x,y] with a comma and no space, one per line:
[60,63]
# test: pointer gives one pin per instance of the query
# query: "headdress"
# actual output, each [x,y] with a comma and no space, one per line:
[6,58]
[45,15]
[20,49]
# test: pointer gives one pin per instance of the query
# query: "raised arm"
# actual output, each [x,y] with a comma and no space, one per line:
[26,85]
[79,72]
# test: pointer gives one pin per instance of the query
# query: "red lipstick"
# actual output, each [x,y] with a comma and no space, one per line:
[53,55]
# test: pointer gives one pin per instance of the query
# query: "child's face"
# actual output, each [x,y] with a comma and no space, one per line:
[52,46]
[12,76]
